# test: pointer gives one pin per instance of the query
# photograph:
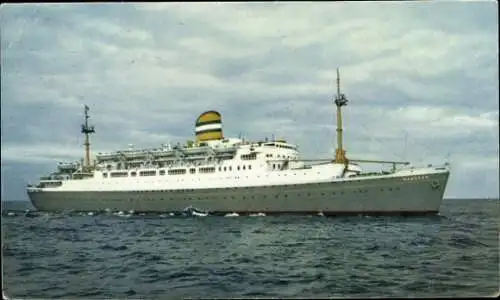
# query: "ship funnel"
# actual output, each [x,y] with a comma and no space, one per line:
[208,126]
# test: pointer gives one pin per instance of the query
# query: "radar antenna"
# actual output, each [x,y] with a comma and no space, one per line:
[86,130]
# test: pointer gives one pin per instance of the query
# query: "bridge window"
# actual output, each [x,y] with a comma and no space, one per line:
[162,172]
[192,170]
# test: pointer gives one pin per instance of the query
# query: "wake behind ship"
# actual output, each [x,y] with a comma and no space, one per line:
[231,175]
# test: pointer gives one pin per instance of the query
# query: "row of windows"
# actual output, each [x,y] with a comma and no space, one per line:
[252,156]
[175,171]
[224,169]
[147,173]
[276,196]
[279,156]
[119,174]
[205,170]
[421,177]
[280,146]
[221,169]
[390,189]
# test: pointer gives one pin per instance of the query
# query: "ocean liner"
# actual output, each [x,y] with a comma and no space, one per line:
[222,175]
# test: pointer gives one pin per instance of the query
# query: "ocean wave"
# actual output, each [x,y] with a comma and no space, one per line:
[55,255]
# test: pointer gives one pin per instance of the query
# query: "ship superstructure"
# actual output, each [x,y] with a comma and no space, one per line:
[220,174]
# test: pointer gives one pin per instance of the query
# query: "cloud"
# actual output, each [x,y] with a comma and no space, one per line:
[421,87]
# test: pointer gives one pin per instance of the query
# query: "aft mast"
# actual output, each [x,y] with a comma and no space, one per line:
[340,100]
[86,130]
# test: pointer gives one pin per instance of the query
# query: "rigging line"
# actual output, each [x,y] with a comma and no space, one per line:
[373,138]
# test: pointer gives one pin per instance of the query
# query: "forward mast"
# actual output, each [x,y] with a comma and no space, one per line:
[87,130]
[340,100]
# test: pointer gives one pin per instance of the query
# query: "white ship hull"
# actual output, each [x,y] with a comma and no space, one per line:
[406,193]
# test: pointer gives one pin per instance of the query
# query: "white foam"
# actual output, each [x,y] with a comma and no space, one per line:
[195,213]
[231,215]
[90,214]
[5,296]
[258,215]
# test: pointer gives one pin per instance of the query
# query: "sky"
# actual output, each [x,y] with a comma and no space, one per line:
[421,79]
